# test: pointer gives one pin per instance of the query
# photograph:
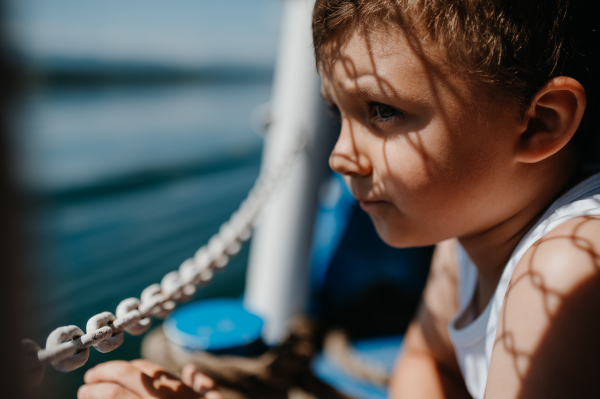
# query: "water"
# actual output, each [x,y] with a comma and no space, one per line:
[126,182]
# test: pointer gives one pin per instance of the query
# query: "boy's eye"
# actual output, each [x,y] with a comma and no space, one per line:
[385,111]
[383,116]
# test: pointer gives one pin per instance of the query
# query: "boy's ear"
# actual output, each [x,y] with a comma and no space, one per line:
[552,119]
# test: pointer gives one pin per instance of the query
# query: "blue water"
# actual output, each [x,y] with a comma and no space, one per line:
[76,137]
[124,183]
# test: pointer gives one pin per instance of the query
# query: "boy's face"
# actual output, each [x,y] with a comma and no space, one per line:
[426,157]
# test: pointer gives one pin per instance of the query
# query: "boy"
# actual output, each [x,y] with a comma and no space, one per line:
[467,123]
[458,121]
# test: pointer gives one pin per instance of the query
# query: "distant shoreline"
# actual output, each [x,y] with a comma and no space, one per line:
[85,72]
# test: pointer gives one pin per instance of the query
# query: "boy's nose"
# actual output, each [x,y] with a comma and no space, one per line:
[347,157]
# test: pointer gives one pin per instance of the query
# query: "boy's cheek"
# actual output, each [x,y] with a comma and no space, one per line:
[415,162]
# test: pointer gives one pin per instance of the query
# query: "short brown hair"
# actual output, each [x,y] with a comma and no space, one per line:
[510,46]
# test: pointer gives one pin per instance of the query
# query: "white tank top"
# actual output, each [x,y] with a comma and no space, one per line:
[473,340]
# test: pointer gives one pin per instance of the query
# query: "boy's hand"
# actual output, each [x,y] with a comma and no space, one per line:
[199,382]
[141,379]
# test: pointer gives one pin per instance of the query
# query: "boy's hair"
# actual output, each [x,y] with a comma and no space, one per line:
[509,48]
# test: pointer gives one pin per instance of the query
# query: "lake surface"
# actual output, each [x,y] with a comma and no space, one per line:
[124,183]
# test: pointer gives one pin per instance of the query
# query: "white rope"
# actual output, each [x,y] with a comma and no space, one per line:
[67,348]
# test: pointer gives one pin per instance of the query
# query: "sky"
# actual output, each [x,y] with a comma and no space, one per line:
[184,33]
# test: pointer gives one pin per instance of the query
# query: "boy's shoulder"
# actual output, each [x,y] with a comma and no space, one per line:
[565,257]
[546,343]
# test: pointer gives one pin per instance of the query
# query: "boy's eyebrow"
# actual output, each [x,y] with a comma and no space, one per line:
[369,86]
[357,90]
[372,90]
[362,91]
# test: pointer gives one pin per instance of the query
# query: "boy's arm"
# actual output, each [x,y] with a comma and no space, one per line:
[427,367]
[548,339]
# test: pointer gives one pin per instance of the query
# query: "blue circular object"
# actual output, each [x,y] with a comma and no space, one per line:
[217,325]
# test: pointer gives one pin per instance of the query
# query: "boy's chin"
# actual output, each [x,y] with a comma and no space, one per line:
[400,238]
[406,242]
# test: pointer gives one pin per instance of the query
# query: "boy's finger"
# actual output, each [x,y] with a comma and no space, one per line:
[121,373]
[213,395]
[197,381]
[187,374]
[104,390]
[202,384]
[147,367]
[161,376]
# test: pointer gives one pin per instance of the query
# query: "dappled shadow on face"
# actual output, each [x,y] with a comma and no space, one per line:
[415,141]
[539,369]
[438,82]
